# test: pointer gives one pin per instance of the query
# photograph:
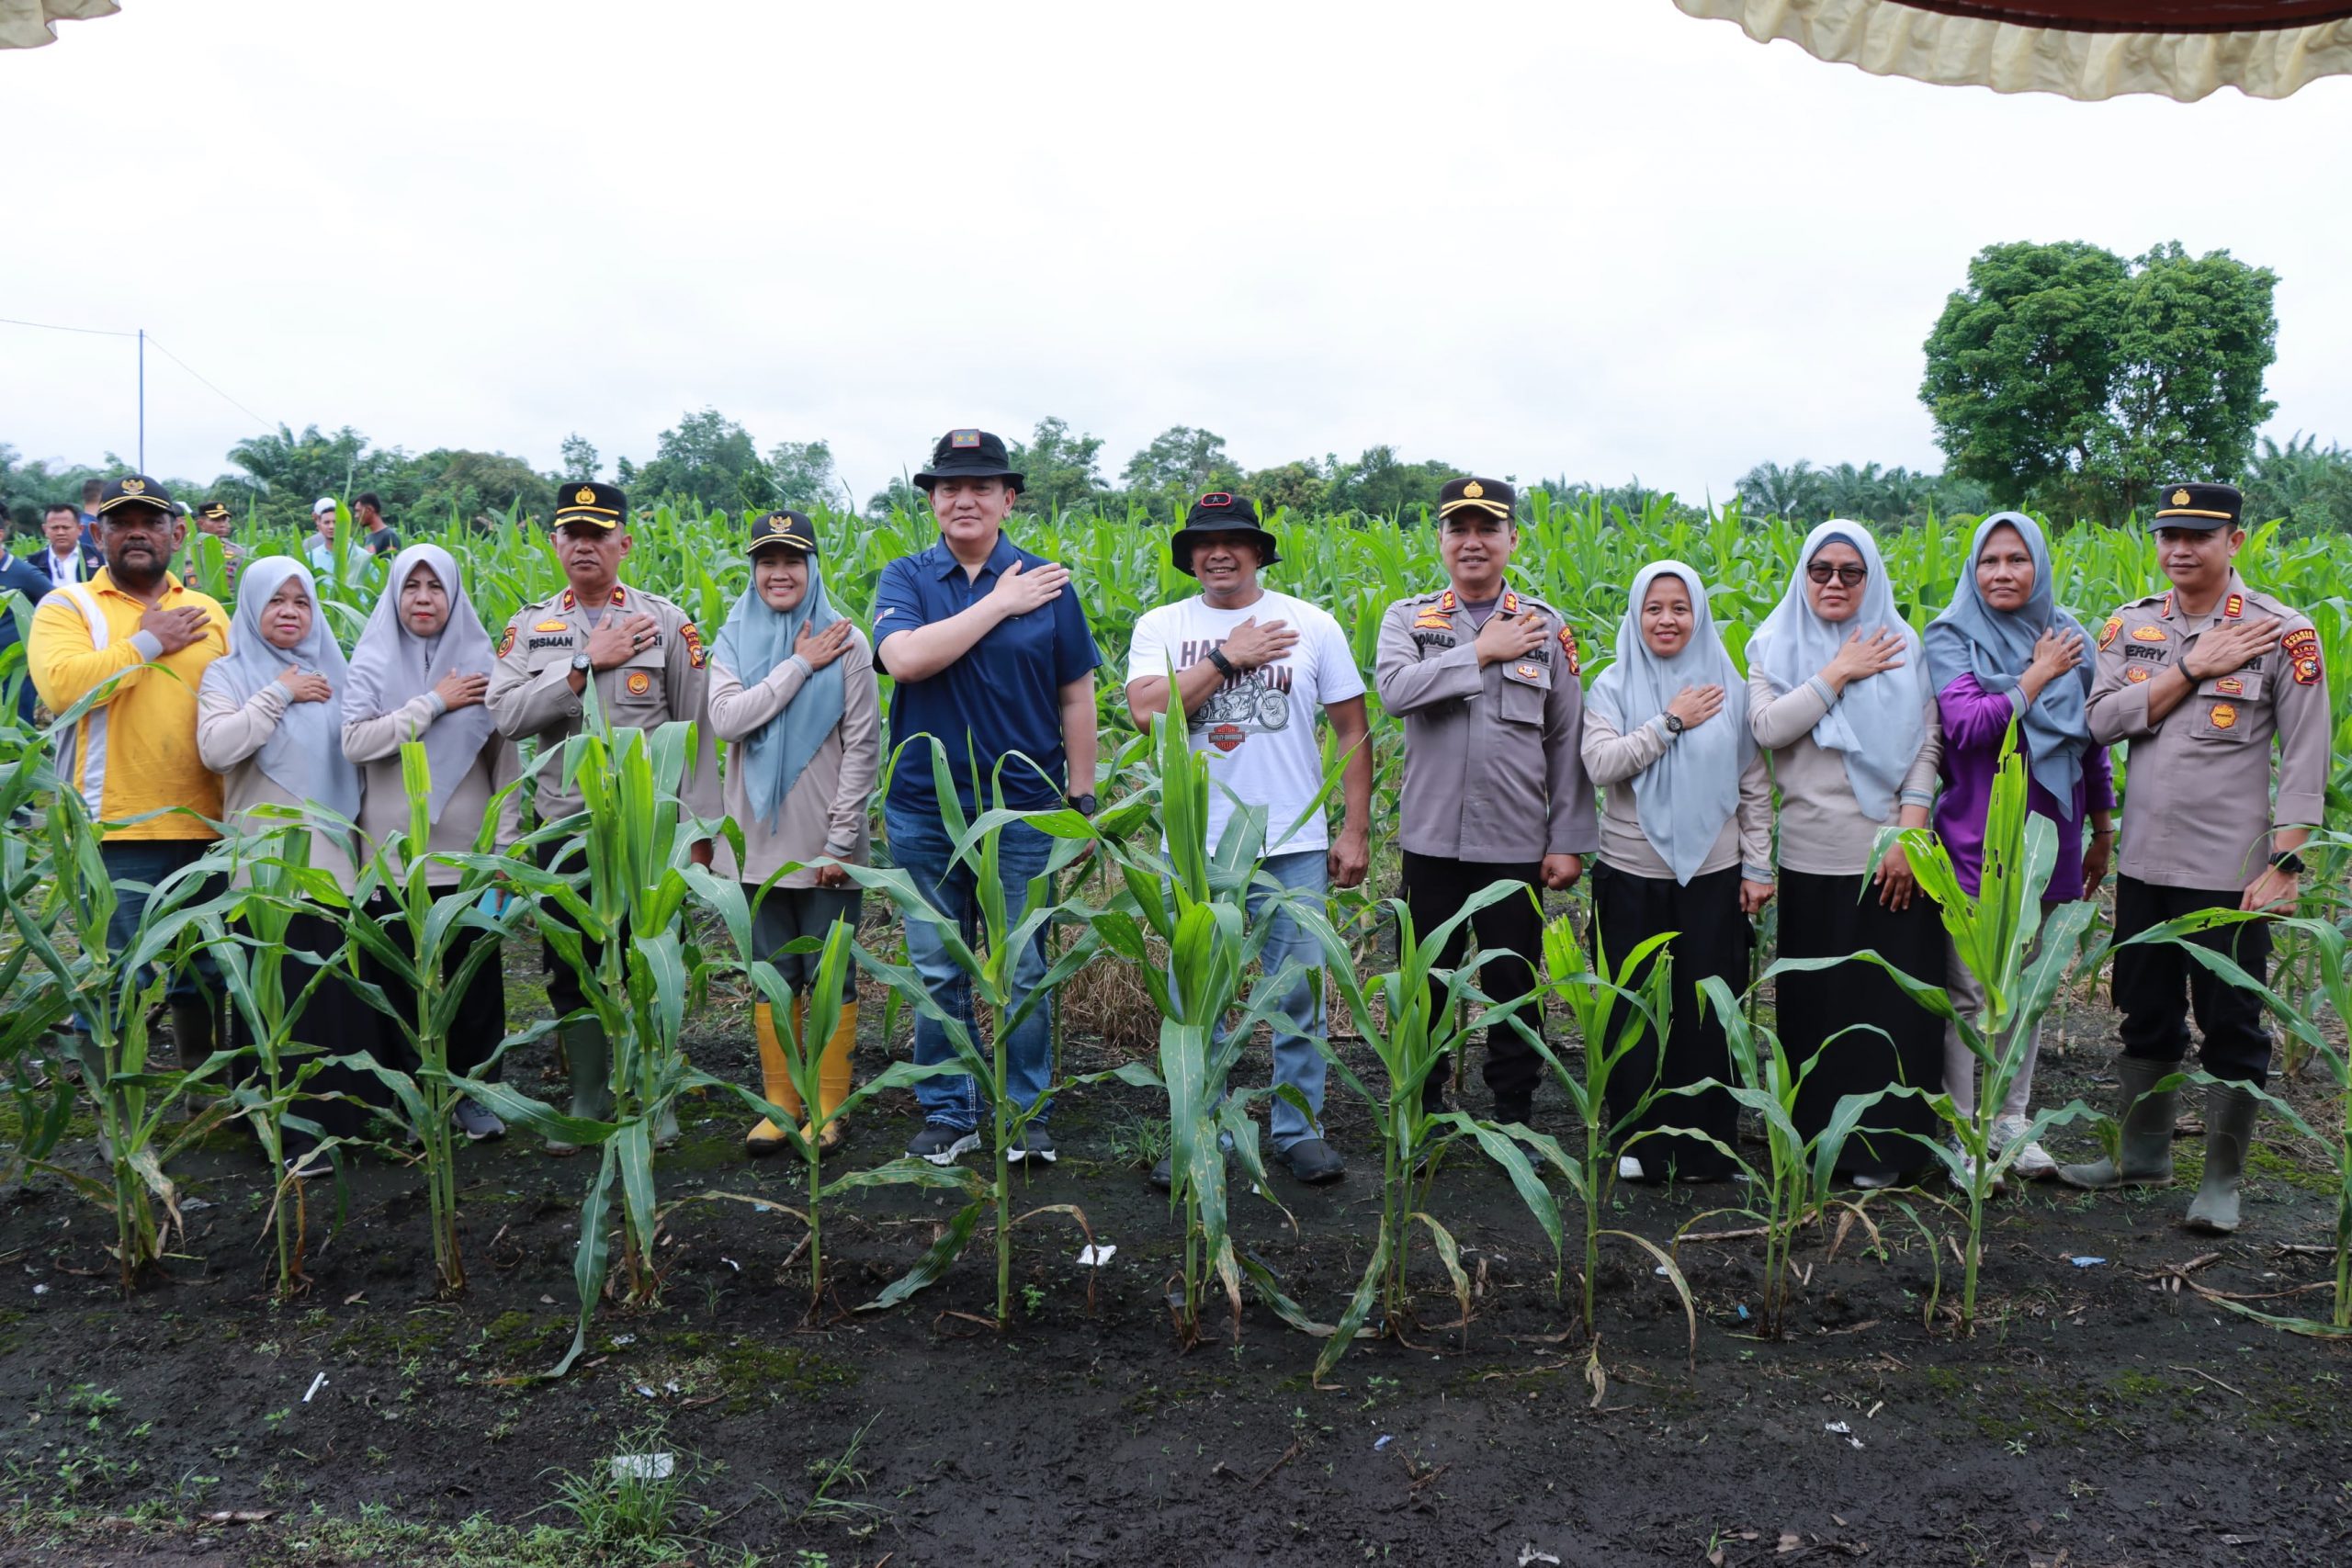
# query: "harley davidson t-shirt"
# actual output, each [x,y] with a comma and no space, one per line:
[1259,726]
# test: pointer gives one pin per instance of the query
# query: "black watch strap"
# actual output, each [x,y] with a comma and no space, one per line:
[2289,862]
[1084,804]
[1225,666]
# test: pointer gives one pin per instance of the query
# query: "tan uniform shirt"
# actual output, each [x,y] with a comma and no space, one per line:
[1615,761]
[1824,831]
[229,739]
[827,810]
[375,744]
[2198,810]
[531,695]
[1493,770]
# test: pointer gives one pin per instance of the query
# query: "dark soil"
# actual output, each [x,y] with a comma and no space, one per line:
[2101,1413]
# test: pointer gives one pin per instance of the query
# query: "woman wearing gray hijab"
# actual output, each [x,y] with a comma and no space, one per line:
[1839,695]
[418,672]
[1686,847]
[2002,651]
[268,717]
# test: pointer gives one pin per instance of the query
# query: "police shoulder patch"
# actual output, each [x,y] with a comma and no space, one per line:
[2106,633]
[1568,649]
[697,654]
[506,643]
[2301,648]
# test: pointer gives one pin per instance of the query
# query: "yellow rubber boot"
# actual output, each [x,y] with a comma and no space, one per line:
[776,1080]
[835,1076]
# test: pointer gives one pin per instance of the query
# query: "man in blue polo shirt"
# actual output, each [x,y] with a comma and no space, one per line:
[986,649]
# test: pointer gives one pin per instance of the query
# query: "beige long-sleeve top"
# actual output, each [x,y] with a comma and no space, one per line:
[827,812]
[1614,760]
[1824,830]
[229,739]
[375,744]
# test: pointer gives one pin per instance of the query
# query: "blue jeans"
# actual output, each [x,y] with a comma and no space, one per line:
[1298,1060]
[920,847]
[147,862]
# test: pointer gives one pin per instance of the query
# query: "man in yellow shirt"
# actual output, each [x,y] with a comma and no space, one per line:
[136,635]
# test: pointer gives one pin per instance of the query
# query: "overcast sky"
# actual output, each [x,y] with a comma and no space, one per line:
[1597,239]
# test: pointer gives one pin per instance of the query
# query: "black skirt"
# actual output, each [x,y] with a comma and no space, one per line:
[1712,937]
[480,1020]
[1829,917]
[333,1022]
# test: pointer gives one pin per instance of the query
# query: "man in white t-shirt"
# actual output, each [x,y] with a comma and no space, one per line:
[1251,667]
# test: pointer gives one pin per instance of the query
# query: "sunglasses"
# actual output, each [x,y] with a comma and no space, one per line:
[1850,575]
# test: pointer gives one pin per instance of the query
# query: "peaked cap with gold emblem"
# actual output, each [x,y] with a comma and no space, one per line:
[1492,497]
[586,500]
[135,490]
[2197,506]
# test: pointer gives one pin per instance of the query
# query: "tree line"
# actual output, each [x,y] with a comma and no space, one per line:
[2060,377]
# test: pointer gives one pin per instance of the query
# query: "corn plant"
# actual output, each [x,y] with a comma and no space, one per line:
[2019,955]
[1415,1017]
[42,1097]
[803,1035]
[978,841]
[412,937]
[1196,901]
[1612,1009]
[115,991]
[2304,1024]
[251,955]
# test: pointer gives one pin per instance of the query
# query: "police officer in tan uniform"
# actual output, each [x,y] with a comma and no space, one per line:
[2200,680]
[646,660]
[1485,679]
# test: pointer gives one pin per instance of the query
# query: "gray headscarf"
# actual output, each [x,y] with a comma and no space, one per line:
[391,666]
[1970,638]
[1877,723]
[304,755]
[1685,797]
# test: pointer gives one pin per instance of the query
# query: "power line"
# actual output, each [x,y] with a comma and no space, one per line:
[87,331]
[216,392]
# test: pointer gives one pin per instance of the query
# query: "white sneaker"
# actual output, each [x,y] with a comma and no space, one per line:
[2033,1161]
[1968,1167]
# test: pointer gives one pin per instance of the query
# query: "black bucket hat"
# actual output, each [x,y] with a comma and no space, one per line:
[968,455]
[1220,512]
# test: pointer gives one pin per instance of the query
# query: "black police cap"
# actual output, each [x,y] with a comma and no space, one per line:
[968,455]
[134,490]
[213,511]
[1490,496]
[587,501]
[783,527]
[2199,506]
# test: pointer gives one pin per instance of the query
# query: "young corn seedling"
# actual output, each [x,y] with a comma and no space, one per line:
[1612,1009]
[803,1035]
[978,842]
[1429,1014]
[413,929]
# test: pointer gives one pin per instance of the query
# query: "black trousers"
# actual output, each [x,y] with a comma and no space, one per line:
[1712,939]
[1829,917]
[333,1022]
[2148,983]
[481,1022]
[1435,890]
[564,993]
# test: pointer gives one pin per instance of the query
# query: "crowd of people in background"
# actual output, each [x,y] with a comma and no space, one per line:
[1693,796]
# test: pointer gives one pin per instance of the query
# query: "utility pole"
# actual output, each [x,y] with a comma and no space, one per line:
[143,399]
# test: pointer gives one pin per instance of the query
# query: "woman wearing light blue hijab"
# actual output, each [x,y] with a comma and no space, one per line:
[1839,695]
[793,692]
[1686,847]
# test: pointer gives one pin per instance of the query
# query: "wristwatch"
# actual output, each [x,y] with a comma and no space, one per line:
[1225,666]
[2289,862]
[582,663]
[1084,804]
[1673,725]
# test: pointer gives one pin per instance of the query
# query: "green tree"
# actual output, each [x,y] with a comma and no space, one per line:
[472,485]
[707,459]
[579,459]
[2063,374]
[2309,486]
[1304,486]
[802,473]
[1180,464]
[286,472]
[1381,484]
[1061,471]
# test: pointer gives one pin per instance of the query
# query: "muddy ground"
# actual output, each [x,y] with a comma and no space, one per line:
[2101,1413]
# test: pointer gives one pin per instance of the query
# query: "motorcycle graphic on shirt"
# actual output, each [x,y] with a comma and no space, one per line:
[1255,702]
